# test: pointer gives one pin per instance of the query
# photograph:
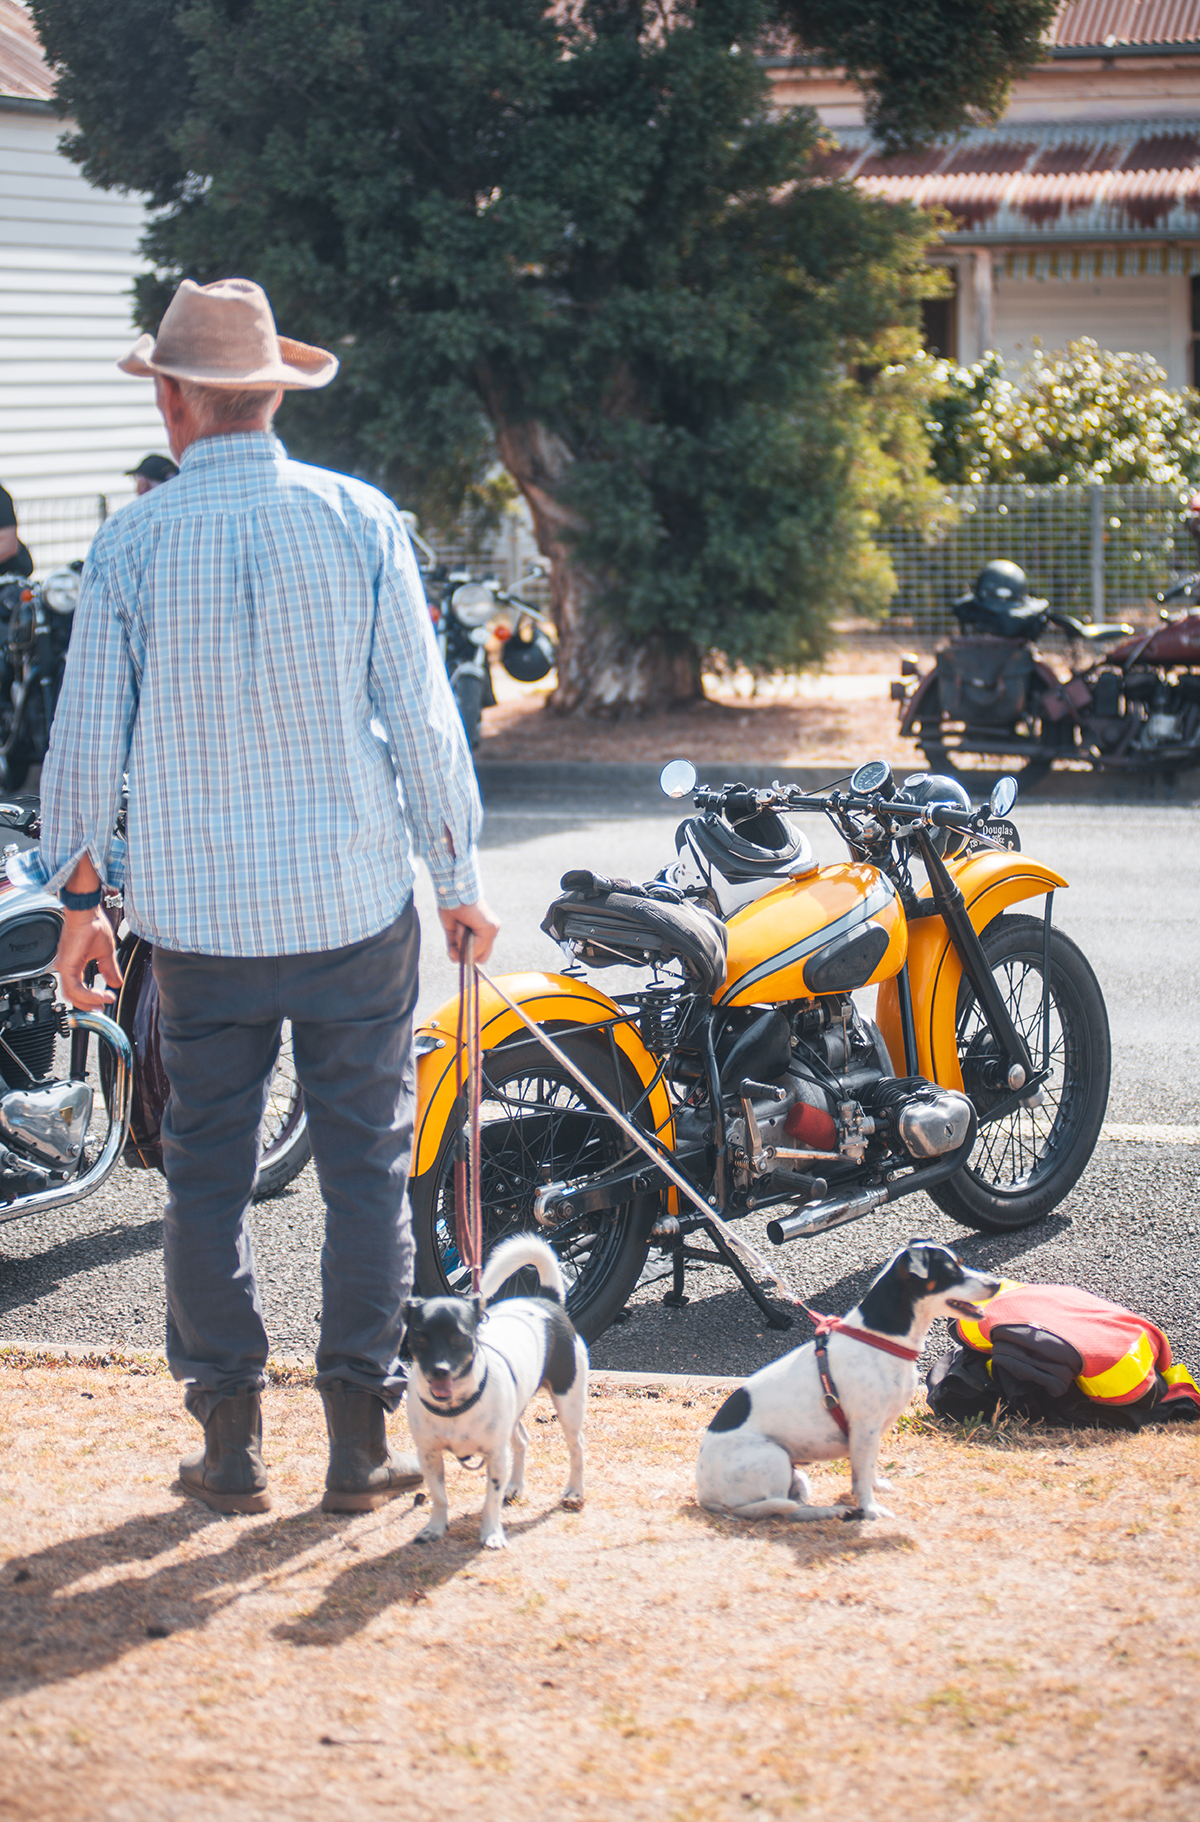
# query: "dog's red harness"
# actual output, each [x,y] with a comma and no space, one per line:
[834,1325]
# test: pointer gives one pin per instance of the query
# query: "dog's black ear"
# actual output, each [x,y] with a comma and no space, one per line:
[413,1311]
[915,1262]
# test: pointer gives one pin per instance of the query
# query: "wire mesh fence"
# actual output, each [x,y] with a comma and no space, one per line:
[1098,552]
[58,531]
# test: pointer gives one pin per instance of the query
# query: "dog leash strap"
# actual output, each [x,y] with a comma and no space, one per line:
[468,1213]
[830,1398]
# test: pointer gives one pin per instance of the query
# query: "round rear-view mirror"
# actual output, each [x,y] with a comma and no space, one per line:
[677,778]
[1003,797]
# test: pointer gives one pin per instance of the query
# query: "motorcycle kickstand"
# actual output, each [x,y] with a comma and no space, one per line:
[674,1298]
[775,1317]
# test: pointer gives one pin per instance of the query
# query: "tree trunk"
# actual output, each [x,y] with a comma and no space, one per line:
[603,671]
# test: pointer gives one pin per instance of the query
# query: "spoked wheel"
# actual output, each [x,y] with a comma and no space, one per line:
[285,1147]
[536,1126]
[1026,1161]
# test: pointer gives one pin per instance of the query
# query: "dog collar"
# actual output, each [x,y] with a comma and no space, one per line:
[456,1410]
[833,1325]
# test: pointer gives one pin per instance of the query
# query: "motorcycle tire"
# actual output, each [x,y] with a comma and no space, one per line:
[468,693]
[537,1124]
[285,1147]
[1024,1163]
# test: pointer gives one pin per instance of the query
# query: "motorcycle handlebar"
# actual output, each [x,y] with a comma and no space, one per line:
[747,802]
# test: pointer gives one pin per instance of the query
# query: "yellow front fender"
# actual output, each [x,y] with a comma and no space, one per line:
[989,883]
[548,999]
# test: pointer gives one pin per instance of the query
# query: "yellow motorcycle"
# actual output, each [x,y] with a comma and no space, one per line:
[747,1064]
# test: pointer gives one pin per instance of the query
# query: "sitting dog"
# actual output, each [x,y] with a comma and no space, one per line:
[806,1408]
[474,1374]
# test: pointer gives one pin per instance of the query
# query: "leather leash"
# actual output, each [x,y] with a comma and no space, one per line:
[468,1211]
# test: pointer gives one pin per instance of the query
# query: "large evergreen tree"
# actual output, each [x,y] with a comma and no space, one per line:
[574,235]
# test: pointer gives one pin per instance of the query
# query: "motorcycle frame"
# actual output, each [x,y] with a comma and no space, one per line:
[946,919]
[81,1024]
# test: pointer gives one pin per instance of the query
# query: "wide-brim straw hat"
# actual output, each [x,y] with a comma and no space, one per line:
[224,334]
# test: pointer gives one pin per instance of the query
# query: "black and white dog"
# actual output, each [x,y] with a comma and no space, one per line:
[474,1374]
[788,1412]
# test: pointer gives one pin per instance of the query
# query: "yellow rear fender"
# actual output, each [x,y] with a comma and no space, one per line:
[989,883]
[554,1000]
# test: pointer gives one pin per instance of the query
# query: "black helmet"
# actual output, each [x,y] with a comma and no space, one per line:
[1001,603]
[933,787]
[528,660]
[778,848]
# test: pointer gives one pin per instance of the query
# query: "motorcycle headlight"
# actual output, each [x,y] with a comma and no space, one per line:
[60,591]
[473,604]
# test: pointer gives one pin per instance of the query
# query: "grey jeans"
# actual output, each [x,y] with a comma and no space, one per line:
[219,1022]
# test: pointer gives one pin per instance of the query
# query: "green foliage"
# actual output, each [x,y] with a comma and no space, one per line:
[930,67]
[1081,415]
[582,218]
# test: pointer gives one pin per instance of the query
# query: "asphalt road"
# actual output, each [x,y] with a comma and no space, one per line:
[91,1275]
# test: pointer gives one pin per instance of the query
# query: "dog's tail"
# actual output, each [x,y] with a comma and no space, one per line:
[511,1255]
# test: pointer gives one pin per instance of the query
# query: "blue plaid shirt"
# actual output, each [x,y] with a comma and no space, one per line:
[252,645]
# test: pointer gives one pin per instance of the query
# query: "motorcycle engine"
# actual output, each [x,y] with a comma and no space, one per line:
[832,1092]
[43,1122]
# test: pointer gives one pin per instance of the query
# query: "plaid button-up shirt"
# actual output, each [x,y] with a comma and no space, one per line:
[253,646]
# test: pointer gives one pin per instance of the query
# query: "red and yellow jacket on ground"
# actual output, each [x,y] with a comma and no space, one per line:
[1122,1356]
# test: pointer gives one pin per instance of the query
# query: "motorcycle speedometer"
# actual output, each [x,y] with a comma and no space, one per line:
[473,603]
[60,591]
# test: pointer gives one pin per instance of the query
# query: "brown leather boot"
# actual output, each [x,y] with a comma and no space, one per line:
[228,1472]
[363,1472]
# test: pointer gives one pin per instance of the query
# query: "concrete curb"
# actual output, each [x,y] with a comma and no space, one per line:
[601,1377]
[501,781]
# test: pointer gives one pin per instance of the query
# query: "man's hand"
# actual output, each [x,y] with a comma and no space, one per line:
[87,936]
[478,920]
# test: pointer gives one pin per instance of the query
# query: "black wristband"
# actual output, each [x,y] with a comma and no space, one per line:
[81,901]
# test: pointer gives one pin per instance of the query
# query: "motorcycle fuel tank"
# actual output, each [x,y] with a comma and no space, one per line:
[830,933]
[1176,642]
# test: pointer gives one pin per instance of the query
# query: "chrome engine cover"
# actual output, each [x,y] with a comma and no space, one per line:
[934,1123]
[49,1122]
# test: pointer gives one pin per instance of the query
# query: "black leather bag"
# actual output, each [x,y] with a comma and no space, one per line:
[985,682]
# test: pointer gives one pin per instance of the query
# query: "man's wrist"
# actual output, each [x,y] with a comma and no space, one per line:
[81,901]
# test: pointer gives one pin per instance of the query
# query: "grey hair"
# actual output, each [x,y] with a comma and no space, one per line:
[218,408]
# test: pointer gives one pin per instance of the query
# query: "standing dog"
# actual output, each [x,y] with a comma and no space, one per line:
[474,1375]
[781,1417]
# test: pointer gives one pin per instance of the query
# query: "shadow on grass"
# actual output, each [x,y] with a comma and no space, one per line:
[52,1630]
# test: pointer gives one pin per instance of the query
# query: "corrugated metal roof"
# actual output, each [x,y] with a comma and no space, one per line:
[24,73]
[1116,22]
[1131,177]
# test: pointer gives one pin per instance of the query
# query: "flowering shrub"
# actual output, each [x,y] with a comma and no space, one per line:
[1081,414]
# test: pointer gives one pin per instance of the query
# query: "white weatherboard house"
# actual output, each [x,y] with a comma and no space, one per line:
[1079,214]
[70,424]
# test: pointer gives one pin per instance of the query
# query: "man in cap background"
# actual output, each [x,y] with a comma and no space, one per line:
[252,645]
[151,472]
[15,559]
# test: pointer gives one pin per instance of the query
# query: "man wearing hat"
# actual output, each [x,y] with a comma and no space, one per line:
[252,646]
[151,472]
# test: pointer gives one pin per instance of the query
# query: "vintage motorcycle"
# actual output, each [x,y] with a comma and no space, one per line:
[746,1062]
[59,1141]
[467,614]
[991,699]
[35,631]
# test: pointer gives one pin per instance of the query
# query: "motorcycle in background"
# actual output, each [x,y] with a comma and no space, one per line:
[35,630]
[58,1140]
[991,700]
[467,614]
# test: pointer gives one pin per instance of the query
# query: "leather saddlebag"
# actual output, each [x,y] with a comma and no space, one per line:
[985,682]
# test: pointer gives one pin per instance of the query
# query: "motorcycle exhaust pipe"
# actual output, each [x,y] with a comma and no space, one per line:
[110,1033]
[818,1217]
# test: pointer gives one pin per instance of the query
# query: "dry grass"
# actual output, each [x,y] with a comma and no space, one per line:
[1024,1636]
